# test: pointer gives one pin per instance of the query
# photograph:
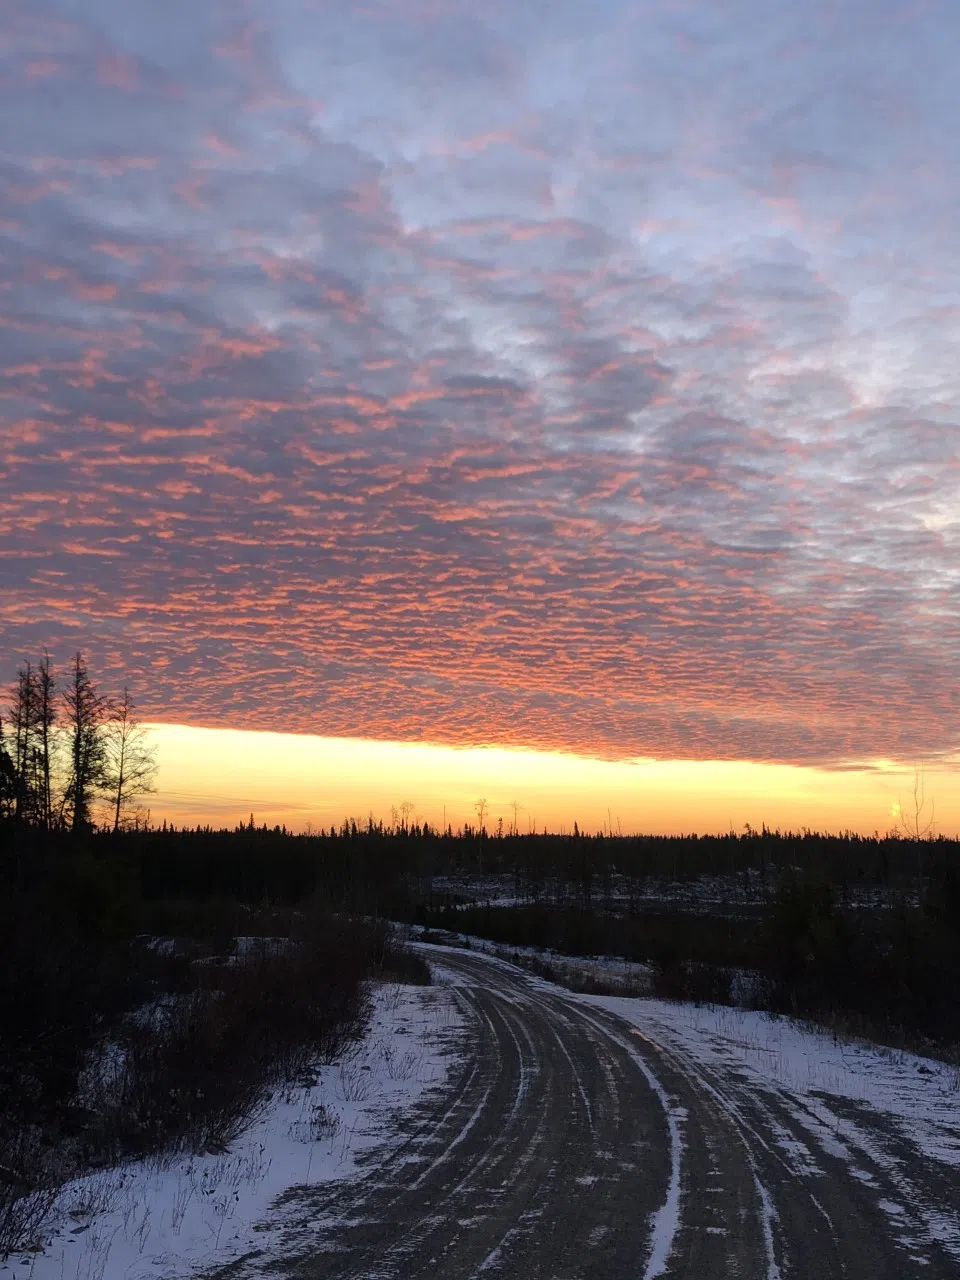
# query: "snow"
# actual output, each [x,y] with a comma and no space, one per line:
[155,1219]
[625,977]
[814,1076]
[920,1095]
[665,1221]
[731,894]
[719,894]
[166,1217]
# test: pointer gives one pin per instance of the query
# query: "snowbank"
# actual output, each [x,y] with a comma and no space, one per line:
[170,1217]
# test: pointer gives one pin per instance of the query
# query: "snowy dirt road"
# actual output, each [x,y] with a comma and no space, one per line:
[570,1143]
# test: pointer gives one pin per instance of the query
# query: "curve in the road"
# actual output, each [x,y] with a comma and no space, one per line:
[571,1145]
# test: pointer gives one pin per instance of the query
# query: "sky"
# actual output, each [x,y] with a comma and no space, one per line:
[576,378]
[224,776]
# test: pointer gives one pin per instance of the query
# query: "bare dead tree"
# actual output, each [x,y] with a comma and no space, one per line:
[516,808]
[481,808]
[129,760]
[85,713]
[915,821]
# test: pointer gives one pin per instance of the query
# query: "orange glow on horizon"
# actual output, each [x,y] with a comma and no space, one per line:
[220,776]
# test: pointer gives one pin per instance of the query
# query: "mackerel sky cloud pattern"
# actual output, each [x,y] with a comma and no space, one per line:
[569,375]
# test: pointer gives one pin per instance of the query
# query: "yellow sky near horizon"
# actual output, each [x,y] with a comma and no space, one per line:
[220,776]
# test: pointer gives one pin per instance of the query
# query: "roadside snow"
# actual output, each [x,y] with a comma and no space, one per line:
[850,1100]
[921,1096]
[626,977]
[175,1216]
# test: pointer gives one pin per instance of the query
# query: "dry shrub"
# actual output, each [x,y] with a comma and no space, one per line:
[193,1070]
[28,1186]
[188,1069]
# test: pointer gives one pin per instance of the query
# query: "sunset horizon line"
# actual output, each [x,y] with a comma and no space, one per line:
[321,780]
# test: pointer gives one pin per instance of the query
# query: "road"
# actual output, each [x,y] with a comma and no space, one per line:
[569,1144]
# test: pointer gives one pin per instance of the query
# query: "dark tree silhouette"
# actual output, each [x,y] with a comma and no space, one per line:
[84,723]
[24,725]
[46,699]
[130,762]
[8,778]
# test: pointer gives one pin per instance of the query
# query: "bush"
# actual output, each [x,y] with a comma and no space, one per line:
[136,1049]
[399,964]
[29,1181]
[189,1072]
[695,981]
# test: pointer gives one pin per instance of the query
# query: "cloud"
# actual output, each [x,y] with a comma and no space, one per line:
[501,378]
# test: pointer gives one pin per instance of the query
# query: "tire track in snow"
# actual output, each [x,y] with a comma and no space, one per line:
[665,1221]
[535,1149]
[574,1150]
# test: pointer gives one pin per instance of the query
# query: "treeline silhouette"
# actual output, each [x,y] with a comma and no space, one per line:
[865,929]
[861,932]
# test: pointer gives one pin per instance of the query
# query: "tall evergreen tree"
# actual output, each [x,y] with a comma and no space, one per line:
[24,719]
[84,722]
[8,778]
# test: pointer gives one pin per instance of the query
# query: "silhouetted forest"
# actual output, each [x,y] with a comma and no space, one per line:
[133,1022]
[865,929]
[103,915]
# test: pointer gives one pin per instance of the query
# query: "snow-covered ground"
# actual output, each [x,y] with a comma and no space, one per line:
[891,1117]
[735,894]
[883,1112]
[718,895]
[616,976]
[610,973]
[789,1056]
[169,1217]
